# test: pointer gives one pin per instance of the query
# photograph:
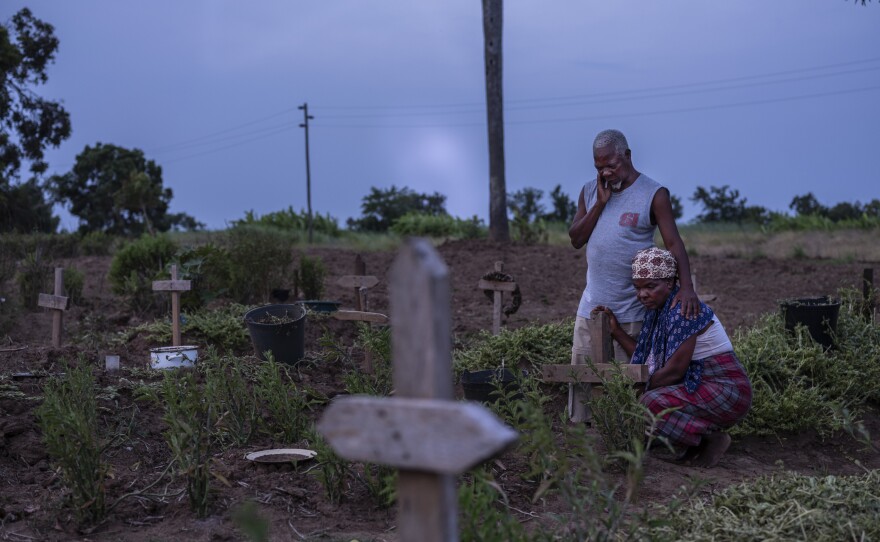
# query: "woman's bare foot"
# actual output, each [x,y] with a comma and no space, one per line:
[691,453]
[715,446]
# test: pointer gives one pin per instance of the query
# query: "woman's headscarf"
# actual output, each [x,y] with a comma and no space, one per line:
[664,330]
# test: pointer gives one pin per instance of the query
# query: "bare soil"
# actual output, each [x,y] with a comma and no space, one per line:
[551,278]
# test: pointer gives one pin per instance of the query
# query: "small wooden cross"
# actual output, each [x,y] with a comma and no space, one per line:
[57,303]
[421,430]
[175,287]
[361,282]
[498,287]
[601,353]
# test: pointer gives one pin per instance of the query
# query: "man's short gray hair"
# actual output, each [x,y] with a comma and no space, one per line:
[611,137]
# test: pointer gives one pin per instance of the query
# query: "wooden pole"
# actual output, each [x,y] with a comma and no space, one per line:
[360,269]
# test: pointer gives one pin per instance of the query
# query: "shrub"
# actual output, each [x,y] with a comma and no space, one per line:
[618,416]
[190,418]
[222,328]
[136,266]
[68,420]
[290,220]
[530,345]
[260,260]
[209,268]
[33,278]
[425,225]
[382,208]
[73,285]
[310,277]
[96,243]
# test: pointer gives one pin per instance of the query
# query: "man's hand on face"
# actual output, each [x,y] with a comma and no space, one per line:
[690,303]
[603,190]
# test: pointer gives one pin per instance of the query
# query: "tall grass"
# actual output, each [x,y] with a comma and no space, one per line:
[68,419]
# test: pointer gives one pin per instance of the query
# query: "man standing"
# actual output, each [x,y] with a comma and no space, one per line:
[616,216]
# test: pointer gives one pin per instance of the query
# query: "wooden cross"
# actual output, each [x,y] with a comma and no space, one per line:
[498,287]
[421,430]
[57,303]
[175,287]
[706,298]
[601,352]
[361,283]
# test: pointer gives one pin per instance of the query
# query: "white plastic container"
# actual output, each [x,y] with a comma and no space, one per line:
[172,357]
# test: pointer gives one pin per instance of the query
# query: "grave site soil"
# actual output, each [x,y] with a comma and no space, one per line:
[551,278]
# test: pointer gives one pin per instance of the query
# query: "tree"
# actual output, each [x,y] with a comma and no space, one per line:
[720,204]
[381,208]
[807,205]
[564,208]
[677,208]
[117,190]
[23,209]
[28,123]
[492,26]
[526,204]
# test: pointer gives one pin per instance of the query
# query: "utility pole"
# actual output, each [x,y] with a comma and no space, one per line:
[305,124]
[492,25]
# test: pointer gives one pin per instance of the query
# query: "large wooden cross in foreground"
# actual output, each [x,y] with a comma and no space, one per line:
[57,303]
[421,430]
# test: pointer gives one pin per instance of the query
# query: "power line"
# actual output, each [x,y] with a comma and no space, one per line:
[617,92]
[215,140]
[223,131]
[615,115]
[212,151]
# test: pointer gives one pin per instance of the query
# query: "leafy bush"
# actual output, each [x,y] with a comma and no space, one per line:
[33,278]
[226,383]
[73,285]
[68,419]
[260,260]
[424,225]
[618,416]
[286,403]
[50,245]
[382,208]
[96,243]
[796,384]
[222,328]
[290,220]
[533,346]
[779,507]
[310,277]
[136,266]
[209,268]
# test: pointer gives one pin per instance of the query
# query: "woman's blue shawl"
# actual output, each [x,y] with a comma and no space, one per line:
[663,332]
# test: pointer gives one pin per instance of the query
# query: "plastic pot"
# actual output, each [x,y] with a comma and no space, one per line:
[279,329]
[480,385]
[818,314]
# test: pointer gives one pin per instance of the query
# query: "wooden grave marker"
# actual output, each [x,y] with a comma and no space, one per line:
[361,282]
[706,298]
[601,353]
[421,430]
[57,303]
[498,287]
[175,287]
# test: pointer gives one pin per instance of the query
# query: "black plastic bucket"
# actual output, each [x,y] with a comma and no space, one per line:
[818,314]
[480,385]
[285,340]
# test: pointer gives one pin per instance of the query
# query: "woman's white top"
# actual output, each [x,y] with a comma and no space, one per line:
[713,341]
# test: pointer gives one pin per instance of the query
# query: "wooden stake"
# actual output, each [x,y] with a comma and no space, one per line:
[601,345]
[175,287]
[421,430]
[360,269]
[57,303]
[361,283]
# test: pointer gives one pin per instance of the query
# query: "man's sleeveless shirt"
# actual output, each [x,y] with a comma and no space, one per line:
[623,228]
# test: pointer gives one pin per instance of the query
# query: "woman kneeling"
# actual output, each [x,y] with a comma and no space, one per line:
[691,364]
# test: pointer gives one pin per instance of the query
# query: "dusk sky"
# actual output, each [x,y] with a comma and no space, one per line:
[774,98]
